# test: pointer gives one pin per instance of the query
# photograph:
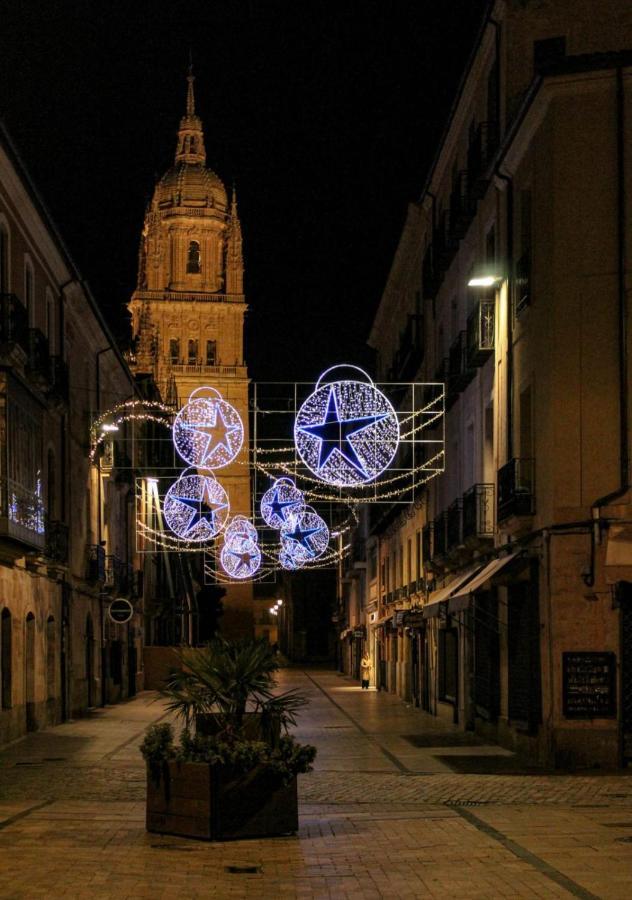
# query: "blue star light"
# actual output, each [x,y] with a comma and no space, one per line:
[335,433]
[301,536]
[346,432]
[306,537]
[208,432]
[281,502]
[196,507]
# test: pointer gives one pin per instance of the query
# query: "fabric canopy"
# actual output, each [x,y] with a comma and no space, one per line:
[461,599]
[432,608]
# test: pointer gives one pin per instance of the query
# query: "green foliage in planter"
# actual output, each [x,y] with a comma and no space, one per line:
[285,761]
[227,679]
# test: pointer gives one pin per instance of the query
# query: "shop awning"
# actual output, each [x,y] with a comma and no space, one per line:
[433,607]
[619,554]
[461,599]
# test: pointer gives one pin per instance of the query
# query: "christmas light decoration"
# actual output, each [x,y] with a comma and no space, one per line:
[240,556]
[347,431]
[208,431]
[281,501]
[196,507]
[305,537]
[240,528]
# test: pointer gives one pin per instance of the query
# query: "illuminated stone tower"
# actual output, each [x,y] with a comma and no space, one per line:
[188,307]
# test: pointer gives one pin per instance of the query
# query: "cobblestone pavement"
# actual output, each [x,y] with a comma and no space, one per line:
[384,814]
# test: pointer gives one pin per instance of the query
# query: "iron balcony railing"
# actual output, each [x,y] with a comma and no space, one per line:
[96,563]
[57,541]
[516,488]
[478,512]
[454,525]
[459,373]
[522,283]
[14,322]
[480,332]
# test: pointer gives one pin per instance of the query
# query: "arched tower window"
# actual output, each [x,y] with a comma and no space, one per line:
[6,660]
[193,353]
[174,351]
[211,353]
[193,258]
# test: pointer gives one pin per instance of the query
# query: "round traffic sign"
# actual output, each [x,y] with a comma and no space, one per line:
[120,611]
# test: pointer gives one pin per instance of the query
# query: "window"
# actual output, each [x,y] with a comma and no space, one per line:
[193,353]
[50,320]
[6,660]
[448,664]
[419,559]
[522,281]
[4,259]
[28,288]
[383,576]
[51,485]
[409,553]
[211,353]
[174,351]
[193,258]
[373,563]
[490,245]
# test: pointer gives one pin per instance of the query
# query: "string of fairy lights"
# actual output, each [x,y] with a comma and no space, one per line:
[344,444]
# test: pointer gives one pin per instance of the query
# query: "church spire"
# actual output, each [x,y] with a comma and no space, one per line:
[234,251]
[190,147]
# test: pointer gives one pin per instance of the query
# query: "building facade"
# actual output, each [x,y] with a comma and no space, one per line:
[188,309]
[65,550]
[502,600]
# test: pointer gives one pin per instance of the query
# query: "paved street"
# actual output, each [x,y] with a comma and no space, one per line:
[398,806]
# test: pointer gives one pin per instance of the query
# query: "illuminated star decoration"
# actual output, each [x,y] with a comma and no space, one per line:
[347,432]
[280,501]
[196,507]
[305,537]
[240,556]
[208,432]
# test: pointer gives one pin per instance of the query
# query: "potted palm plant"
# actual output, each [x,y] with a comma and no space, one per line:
[233,771]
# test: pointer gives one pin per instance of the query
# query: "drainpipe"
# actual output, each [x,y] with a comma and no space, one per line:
[624,427]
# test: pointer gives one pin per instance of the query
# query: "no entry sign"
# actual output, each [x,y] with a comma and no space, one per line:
[120,611]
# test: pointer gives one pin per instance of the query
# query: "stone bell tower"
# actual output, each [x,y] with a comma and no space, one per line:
[188,308]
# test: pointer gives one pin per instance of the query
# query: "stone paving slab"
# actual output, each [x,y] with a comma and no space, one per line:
[72,821]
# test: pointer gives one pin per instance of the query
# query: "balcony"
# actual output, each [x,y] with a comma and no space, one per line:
[516,489]
[522,283]
[60,387]
[440,535]
[119,576]
[22,516]
[478,513]
[96,563]
[14,323]
[462,205]
[480,153]
[459,373]
[57,541]
[454,522]
[198,368]
[39,358]
[480,333]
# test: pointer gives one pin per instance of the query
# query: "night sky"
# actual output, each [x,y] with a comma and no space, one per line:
[327,115]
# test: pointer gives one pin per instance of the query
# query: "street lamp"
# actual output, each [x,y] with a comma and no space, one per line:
[109,427]
[484,281]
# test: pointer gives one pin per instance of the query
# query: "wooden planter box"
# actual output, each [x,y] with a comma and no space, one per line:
[216,803]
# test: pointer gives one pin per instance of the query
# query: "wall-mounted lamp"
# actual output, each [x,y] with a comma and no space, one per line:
[484,281]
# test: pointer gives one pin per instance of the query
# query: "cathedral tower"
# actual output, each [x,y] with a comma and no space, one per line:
[188,308]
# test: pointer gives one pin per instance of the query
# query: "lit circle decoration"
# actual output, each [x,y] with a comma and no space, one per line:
[208,431]
[280,502]
[287,560]
[240,556]
[346,432]
[196,507]
[305,537]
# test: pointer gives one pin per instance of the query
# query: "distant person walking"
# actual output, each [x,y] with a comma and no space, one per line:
[365,665]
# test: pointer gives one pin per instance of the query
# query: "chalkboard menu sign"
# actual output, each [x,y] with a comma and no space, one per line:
[589,685]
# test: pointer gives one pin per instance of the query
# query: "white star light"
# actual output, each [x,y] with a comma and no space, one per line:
[280,502]
[240,556]
[208,432]
[305,537]
[347,432]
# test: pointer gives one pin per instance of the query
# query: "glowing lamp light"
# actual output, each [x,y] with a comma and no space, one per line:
[279,603]
[208,431]
[347,431]
[109,427]
[196,507]
[152,482]
[484,281]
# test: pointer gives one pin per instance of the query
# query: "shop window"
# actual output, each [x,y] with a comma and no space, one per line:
[448,664]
